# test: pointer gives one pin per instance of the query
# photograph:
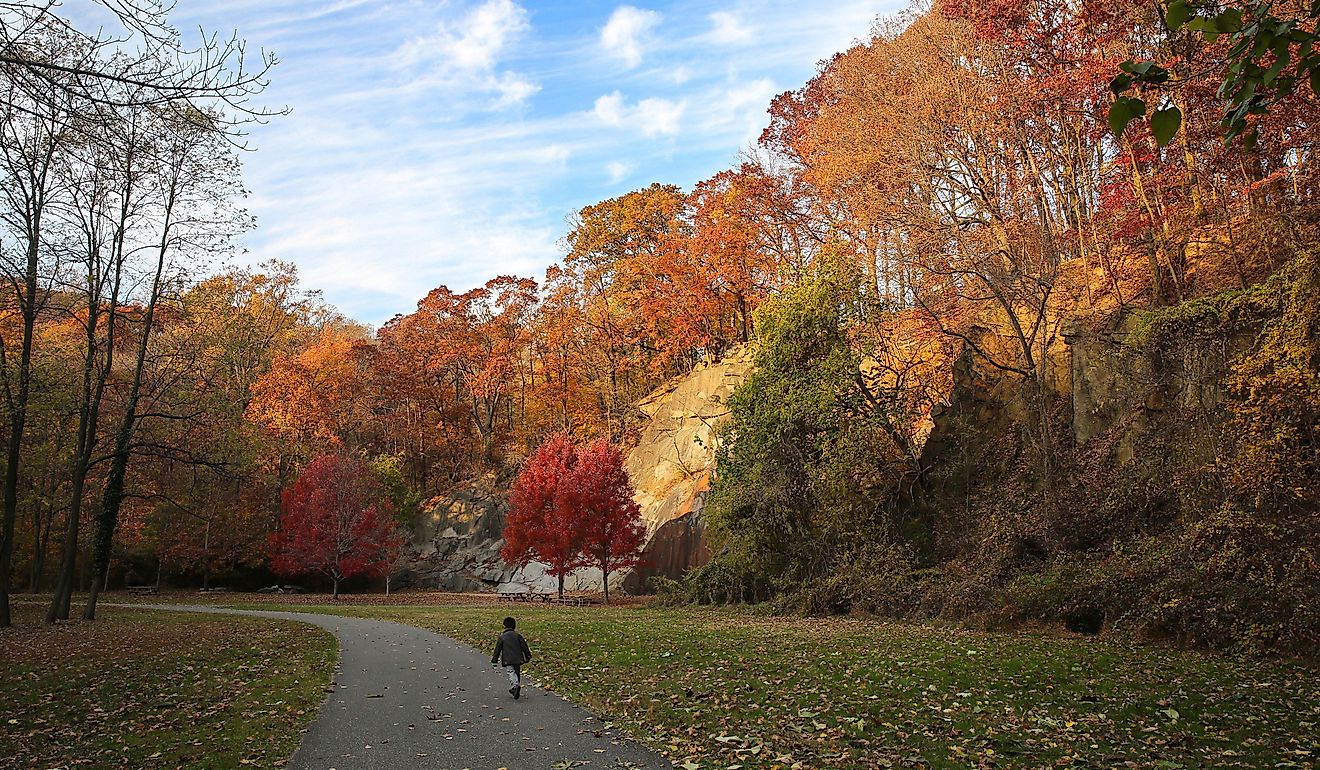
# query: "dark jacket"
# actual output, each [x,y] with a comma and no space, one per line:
[511,649]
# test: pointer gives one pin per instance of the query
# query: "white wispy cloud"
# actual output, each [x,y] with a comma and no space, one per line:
[513,89]
[553,154]
[652,116]
[444,142]
[465,54]
[739,106]
[727,28]
[609,108]
[387,232]
[750,96]
[659,116]
[627,32]
[472,43]
[618,170]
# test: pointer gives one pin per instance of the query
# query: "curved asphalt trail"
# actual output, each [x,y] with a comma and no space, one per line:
[404,698]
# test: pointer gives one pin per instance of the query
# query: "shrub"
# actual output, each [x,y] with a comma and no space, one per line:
[723,580]
[876,579]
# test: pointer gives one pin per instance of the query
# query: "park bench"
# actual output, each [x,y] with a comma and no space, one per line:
[141,590]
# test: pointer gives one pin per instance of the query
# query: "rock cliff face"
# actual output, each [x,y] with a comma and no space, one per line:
[1112,386]
[1114,383]
[457,541]
[456,545]
[672,463]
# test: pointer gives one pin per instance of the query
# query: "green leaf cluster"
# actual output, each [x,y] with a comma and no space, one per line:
[389,473]
[1267,58]
[803,464]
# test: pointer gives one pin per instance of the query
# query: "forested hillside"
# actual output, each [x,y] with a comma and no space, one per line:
[1011,366]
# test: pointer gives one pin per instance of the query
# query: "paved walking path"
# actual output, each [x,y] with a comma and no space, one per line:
[404,698]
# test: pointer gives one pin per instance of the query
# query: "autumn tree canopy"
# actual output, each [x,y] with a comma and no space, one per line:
[600,494]
[944,202]
[573,507]
[336,523]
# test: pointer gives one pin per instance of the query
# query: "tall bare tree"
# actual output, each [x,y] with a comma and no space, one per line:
[99,104]
[194,179]
[31,140]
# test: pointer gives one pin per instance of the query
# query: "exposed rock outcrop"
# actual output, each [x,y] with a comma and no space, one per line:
[456,543]
[456,540]
[671,465]
[1115,382]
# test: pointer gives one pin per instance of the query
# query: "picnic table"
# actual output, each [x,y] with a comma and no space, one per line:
[141,590]
[525,596]
[536,596]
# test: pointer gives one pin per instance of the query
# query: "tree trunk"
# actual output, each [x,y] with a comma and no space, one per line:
[59,603]
[11,491]
[605,583]
[35,176]
[99,581]
[336,588]
[41,546]
[89,410]
[206,556]
[18,404]
[112,497]
[561,588]
[88,417]
[38,566]
[84,580]
[1046,439]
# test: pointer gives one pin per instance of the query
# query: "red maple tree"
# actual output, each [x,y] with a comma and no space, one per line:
[539,527]
[573,508]
[334,522]
[392,550]
[600,493]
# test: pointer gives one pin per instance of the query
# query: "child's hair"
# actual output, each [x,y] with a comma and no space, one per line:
[510,623]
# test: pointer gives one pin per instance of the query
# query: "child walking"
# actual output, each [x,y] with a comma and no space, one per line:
[511,651]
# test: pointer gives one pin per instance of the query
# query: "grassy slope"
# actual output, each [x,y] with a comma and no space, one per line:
[143,689]
[720,689]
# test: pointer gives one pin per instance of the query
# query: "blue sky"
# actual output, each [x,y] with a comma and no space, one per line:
[447,142]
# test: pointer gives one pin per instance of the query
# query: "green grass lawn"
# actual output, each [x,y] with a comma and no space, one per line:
[143,689]
[727,689]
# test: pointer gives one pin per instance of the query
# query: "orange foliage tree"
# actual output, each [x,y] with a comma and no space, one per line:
[471,344]
[314,399]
